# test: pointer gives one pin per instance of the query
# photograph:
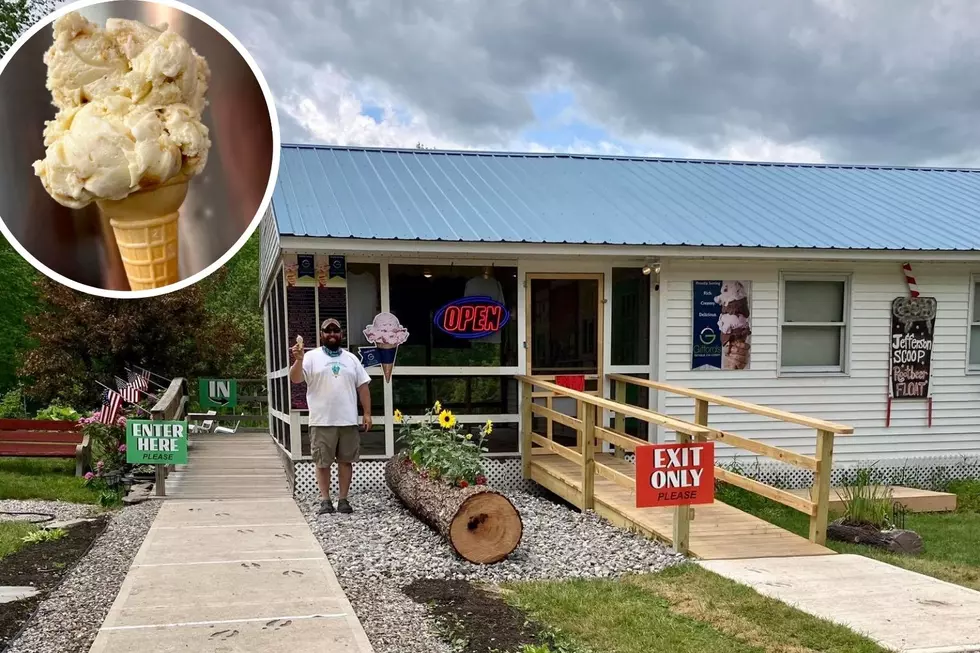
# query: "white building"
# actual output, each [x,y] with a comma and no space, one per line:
[597,261]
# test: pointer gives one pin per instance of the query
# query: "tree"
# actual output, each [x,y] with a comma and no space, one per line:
[19,299]
[16,16]
[81,339]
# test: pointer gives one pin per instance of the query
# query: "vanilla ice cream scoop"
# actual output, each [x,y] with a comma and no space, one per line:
[109,148]
[149,65]
[130,101]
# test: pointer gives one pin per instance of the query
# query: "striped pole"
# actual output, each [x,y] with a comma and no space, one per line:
[910,280]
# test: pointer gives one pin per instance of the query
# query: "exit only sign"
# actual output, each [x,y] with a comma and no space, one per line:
[218,393]
[675,474]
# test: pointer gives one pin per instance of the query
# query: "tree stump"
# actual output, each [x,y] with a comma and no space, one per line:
[896,541]
[481,525]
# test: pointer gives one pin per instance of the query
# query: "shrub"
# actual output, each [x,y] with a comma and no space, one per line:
[440,449]
[108,447]
[12,405]
[44,535]
[59,413]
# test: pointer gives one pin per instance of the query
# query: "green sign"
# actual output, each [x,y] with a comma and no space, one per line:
[156,442]
[218,393]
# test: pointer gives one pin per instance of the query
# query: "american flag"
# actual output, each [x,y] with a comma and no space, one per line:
[128,391]
[111,403]
[138,381]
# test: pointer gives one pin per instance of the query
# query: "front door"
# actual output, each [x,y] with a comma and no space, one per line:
[564,313]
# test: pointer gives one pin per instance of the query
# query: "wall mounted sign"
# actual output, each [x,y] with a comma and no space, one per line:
[472,317]
[218,393]
[675,474]
[299,269]
[305,267]
[912,339]
[722,330]
[156,442]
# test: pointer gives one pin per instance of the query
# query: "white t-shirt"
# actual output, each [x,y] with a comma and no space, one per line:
[331,387]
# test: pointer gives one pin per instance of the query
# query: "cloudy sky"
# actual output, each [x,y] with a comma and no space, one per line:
[853,81]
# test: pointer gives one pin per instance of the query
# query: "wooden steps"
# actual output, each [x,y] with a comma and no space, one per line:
[718,530]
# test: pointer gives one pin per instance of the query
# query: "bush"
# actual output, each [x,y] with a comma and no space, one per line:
[866,503]
[440,450]
[59,413]
[108,450]
[12,405]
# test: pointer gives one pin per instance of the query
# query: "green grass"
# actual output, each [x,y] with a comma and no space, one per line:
[11,533]
[43,478]
[950,550]
[685,609]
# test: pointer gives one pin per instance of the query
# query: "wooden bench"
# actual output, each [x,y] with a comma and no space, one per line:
[21,438]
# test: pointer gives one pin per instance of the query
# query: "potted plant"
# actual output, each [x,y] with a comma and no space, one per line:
[440,477]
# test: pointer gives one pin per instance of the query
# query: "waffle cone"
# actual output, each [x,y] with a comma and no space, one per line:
[145,227]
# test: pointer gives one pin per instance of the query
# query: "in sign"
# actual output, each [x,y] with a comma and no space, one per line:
[675,474]
[472,317]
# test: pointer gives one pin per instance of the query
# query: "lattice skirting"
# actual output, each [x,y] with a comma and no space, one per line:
[923,473]
[502,473]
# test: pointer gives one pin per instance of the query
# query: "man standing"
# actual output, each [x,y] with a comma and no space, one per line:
[335,379]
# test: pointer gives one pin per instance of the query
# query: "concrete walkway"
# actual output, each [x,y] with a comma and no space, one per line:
[230,564]
[902,610]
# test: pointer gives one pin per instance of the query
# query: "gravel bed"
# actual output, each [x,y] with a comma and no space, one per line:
[60,509]
[68,619]
[382,547]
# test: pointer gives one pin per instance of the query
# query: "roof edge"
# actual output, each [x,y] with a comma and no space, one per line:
[638,159]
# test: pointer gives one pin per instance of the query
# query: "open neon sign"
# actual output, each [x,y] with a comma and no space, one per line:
[472,317]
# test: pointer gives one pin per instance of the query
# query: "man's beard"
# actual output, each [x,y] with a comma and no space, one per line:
[332,343]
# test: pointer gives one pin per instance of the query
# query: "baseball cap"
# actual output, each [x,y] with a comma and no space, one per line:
[330,321]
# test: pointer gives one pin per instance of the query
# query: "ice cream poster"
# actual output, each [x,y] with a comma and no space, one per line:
[386,333]
[722,333]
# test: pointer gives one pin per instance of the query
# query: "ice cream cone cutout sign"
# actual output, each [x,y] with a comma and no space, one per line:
[386,333]
[129,134]
[733,323]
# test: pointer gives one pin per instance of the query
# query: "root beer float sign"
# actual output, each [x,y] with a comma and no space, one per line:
[675,474]
[472,317]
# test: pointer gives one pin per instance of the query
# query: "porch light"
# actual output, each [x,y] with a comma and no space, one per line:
[427,273]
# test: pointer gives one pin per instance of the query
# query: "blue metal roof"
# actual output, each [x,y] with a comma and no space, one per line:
[430,195]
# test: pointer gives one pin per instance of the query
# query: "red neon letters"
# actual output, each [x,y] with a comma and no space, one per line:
[469,318]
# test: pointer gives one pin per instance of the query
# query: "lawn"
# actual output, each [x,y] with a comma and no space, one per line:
[11,533]
[43,478]
[685,609]
[949,539]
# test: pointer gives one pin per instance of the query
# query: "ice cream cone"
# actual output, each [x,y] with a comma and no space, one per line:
[386,354]
[145,227]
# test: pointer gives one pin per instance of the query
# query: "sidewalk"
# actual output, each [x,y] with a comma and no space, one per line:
[900,609]
[242,572]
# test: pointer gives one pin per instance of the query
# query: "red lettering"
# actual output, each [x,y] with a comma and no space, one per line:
[469,315]
[494,317]
[450,319]
[481,319]
[472,318]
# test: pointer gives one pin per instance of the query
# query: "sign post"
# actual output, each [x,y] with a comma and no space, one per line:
[218,393]
[156,442]
[679,475]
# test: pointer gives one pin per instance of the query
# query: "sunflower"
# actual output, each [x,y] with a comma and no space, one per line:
[398,416]
[437,408]
[488,428]
[447,420]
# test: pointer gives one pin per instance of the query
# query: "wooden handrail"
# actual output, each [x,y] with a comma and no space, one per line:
[763,449]
[639,413]
[805,506]
[172,405]
[555,416]
[616,476]
[563,451]
[618,439]
[782,415]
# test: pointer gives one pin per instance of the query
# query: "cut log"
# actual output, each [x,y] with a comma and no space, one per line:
[896,541]
[481,525]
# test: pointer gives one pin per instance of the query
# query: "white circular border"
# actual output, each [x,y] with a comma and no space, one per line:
[263,205]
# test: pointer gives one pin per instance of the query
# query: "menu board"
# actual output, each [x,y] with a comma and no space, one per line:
[912,339]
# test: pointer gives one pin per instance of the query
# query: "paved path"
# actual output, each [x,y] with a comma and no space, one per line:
[902,610]
[230,564]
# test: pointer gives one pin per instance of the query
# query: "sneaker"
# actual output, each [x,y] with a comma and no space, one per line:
[326,506]
[344,506]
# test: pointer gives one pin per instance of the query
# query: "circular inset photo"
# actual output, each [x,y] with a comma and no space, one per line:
[139,146]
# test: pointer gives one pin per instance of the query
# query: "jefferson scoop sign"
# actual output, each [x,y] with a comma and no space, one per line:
[675,474]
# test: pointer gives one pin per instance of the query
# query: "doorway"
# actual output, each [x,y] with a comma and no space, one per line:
[565,338]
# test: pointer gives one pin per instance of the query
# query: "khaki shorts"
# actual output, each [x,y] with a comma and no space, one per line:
[334,443]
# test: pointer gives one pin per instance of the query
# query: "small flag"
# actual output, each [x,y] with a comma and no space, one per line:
[111,403]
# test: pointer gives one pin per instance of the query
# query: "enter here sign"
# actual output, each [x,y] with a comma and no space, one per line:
[156,442]
[675,474]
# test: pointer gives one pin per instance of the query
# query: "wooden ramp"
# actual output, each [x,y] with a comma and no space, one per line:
[913,499]
[718,530]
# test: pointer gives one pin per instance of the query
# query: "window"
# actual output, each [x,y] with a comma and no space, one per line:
[813,329]
[417,293]
[975,328]
[630,317]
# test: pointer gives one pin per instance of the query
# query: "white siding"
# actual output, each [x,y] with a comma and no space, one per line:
[858,398]
[268,249]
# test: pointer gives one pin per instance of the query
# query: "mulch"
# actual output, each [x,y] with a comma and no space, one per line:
[475,620]
[42,566]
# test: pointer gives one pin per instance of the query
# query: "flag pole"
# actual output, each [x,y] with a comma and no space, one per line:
[137,406]
[157,384]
